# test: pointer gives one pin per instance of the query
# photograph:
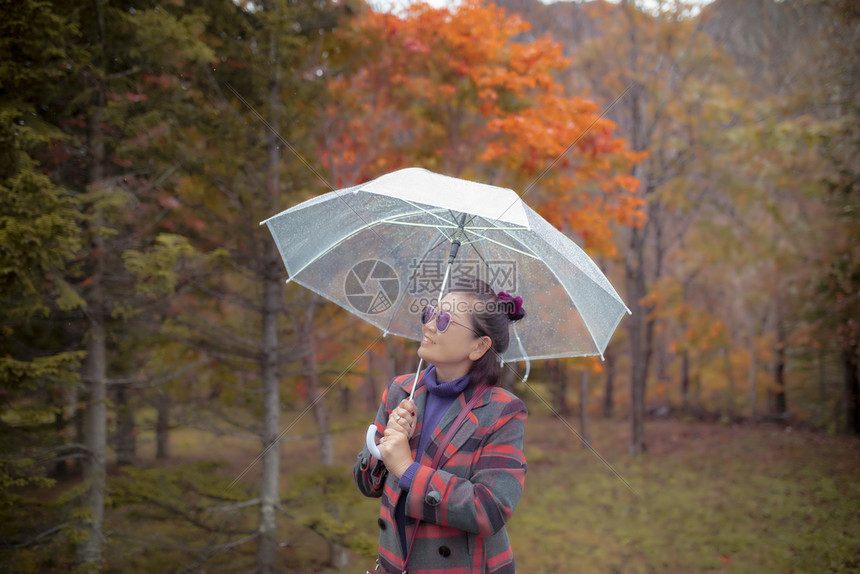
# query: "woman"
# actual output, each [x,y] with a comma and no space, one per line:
[464,505]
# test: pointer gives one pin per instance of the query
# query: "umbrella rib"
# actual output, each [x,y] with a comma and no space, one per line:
[419,211]
[336,244]
[414,273]
[505,246]
[427,211]
[330,248]
[551,269]
[497,228]
[410,224]
[481,256]
[560,282]
[366,227]
[507,231]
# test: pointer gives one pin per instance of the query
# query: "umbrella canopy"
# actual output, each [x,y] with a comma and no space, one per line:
[381,250]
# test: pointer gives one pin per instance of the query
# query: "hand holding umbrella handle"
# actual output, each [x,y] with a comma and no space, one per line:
[370,440]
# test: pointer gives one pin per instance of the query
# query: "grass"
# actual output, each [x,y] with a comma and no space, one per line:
[706,498]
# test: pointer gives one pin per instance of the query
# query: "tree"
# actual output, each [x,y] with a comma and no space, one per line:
[97,48]
[836,304]
[455,90]
[666,74]
[800,57]
[39,236]
[252,106]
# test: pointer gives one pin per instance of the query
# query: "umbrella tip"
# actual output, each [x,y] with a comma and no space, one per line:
[384,333]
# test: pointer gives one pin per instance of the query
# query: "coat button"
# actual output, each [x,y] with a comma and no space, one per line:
[444,551]
[381,523]
[433,498]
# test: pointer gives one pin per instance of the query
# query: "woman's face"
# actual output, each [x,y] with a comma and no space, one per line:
[454,350]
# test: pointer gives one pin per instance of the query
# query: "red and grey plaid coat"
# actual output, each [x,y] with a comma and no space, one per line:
[464,505]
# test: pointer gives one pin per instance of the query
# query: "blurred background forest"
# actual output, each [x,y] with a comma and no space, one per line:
[705,155]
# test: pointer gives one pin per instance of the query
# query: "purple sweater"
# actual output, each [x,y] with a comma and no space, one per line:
[440,396]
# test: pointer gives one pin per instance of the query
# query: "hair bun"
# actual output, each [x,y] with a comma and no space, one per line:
[512,306]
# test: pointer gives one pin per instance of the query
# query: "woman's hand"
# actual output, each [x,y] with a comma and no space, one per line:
[394,447]
[403,418]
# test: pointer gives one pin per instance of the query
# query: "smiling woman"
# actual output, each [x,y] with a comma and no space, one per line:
[452,468]
[453,351]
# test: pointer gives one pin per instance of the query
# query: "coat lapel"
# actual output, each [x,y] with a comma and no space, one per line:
[466,430]
[420,400]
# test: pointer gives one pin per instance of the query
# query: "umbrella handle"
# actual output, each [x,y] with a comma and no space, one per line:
[370,441]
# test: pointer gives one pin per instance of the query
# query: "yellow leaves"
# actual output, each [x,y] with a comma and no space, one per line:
[699,329]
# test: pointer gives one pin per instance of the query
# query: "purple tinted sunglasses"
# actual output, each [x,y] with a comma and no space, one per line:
[443,319]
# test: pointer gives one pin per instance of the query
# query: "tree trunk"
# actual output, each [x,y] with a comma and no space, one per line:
[312,378]
[729,399]
[60,469]
[338,557]
[609,386]
[778,403]
[558,384]
[125,439]
[639,329]
[583,407]
[267,544]
[374,373]
[88,556]
[638,334]
[685,380]
[753,375]
[73,414]
[851,378]
[402,362]
[344,398]
[822,378]
[661,365]
[162,426]
[89,549]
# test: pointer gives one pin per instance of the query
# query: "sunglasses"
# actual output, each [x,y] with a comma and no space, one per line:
[443,319]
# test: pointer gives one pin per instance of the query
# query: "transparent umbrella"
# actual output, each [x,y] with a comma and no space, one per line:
[386,248]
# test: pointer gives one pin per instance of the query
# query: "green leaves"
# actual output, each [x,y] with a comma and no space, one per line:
[161,36]
[159,269]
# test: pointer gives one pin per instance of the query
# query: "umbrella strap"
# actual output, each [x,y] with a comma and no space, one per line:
[523,351]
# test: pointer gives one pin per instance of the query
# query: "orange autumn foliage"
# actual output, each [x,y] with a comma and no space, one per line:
[455,90]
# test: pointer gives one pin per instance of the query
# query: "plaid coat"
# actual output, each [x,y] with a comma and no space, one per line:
[464,505]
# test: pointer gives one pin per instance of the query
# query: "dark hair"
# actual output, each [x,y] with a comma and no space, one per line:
[490,317]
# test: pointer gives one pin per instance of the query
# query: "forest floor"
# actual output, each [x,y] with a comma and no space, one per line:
[706,497]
